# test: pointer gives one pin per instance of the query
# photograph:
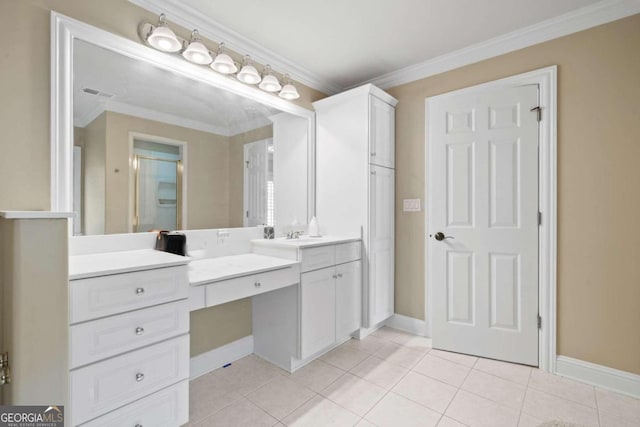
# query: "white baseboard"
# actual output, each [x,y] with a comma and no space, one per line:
[598,375]
[408,324]
[218,357]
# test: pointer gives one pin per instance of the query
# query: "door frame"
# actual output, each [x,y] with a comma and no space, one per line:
[182,145]
[546,79]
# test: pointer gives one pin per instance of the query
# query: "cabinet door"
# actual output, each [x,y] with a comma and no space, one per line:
[381,245]
[348,298]
[318,310]
[381,133]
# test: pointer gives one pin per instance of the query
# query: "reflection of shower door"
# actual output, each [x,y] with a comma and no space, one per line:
[157,194]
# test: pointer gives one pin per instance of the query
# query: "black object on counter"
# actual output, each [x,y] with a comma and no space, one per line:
[172,242]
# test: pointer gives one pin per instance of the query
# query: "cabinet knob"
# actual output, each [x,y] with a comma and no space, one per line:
[257,284]
[138,425]
[339,274]
[373,154]
[139,376]
[139,330]
[139,291]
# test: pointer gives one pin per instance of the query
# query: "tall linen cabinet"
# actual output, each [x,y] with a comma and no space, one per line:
[355,185]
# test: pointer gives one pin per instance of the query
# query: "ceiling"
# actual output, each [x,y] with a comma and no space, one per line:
[347,42]
[140,89]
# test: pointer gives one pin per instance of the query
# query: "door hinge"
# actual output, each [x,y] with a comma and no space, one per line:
[539,322]
[5,370]
[539,218]
[538,111]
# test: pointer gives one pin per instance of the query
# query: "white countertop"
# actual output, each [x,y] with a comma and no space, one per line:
[83,266]
[227,267]
[305,241]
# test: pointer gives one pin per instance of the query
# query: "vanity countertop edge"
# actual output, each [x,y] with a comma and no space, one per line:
[213,270]
[305,241]
[108,263]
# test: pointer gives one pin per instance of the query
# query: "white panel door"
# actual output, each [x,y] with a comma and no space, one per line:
[318,310]
[256,175]
[483,225]
[381,245]
[381,133]
[348,298]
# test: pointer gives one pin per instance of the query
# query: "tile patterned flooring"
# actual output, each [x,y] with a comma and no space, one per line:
[395,379]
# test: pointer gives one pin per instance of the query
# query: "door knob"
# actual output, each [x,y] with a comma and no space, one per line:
[440,236]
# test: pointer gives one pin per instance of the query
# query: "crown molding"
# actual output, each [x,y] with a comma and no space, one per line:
[189,18]
[149,114]
[572,22]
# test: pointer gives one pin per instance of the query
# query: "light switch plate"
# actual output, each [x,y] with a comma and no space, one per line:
[411,205]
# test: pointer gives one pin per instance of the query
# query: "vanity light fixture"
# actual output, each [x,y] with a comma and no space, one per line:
[223,62]
[289,91]
[197,52]
[269,82]
[248,74]
[163,38]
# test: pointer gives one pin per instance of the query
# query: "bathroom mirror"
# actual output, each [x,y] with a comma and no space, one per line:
[153,142]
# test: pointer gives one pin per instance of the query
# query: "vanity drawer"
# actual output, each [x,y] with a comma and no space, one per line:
[347,252]
[102,387]
[247,286]
[317,258]
[99,339]
[106,295]
[166,408]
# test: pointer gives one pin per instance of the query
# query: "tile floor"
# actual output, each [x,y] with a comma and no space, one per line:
[392,378]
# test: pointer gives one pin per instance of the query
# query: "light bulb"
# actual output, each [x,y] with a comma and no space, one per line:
[163,38]
[248,74]
[223,62]
[269,82]
[289,91]
[197,52]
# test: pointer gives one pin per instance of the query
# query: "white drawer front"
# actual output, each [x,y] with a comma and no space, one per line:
[103,296]
[99,339]
[347,252]
[102,387]
[166,408]
[246,286]
[317,258]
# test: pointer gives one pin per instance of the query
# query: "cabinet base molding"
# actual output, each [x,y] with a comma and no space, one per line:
[218,357]
[600,376]
[362,333]
[407,324]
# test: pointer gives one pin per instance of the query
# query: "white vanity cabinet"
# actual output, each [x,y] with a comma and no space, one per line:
[129,340]
[355,185]
[296,324]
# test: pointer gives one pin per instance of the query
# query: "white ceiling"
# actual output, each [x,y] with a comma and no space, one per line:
[347,42]
[143,90]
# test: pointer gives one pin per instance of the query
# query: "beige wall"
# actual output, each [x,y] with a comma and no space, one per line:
[207,172]
[219,325]
[236,171]
[25,65]
[598,178]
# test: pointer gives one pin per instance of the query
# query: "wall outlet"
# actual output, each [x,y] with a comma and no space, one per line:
[411,205]
[222,236]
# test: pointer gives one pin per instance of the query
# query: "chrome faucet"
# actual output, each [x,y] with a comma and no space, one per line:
[294,234]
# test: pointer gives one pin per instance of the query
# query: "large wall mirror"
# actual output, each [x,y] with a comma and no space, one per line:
[145,141]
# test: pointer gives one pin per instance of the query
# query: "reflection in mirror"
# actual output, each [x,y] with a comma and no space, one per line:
[157,150]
